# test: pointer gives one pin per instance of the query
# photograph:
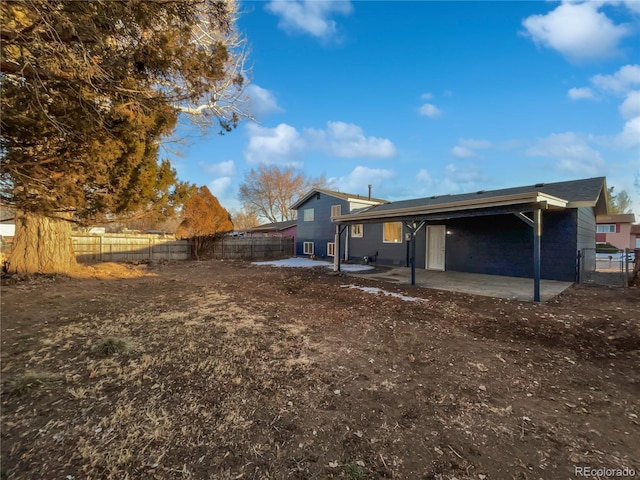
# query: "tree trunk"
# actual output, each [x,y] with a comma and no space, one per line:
[41,245]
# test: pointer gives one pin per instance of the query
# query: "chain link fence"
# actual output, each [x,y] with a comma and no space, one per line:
[612,269]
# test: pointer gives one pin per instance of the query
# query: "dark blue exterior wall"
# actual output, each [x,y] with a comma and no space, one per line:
[497,245]
[371,243]
[321,230]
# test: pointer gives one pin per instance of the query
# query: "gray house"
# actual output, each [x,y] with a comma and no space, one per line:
[316,233]
[533,231]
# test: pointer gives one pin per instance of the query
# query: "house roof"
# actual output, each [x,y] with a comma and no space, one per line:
[340,195]
[590,192]
[619,218]
[274,227]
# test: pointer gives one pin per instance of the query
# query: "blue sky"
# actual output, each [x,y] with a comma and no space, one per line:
[423,98]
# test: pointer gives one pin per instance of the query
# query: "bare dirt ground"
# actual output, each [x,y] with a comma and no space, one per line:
[228,370]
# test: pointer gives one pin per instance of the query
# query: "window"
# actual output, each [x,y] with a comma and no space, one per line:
[331,249]
[307,248]
[336,210]
[606,228]
[392,232]
[308,214]
[356,230]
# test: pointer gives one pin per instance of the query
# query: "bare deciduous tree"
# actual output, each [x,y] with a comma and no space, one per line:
[271,190]
[244,219]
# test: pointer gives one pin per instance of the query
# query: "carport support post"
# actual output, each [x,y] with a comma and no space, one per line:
[413,256]
[537,234]
[336,250]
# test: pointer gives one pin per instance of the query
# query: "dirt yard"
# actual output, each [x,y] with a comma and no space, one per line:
[227,370]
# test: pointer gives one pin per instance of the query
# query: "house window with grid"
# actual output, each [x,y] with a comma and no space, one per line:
[336,211]
[331,249]
[392,232]
[357,230]
[308,214]
[606,228]
[307,248]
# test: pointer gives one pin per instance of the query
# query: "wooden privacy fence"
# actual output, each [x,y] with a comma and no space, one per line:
[251,248]
[129,247]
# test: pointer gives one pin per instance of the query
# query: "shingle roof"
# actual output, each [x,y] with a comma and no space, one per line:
[574,191]
[619,218]
[276,226]
[590,192]
[333,193]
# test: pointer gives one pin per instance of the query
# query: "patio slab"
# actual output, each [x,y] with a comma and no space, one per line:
[514,288]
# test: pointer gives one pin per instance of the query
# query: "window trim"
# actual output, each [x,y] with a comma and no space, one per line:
[399,241]
[311,212]
[337,208]
[331,246]
[305,249]
[612,228]
[355,235]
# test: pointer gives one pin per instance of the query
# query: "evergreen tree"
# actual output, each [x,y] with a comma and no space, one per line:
[89,91]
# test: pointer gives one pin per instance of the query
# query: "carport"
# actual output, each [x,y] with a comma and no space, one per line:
[526,206]
[514,288]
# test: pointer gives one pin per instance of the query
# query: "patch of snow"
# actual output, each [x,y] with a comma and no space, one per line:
[308,263]
[375,291]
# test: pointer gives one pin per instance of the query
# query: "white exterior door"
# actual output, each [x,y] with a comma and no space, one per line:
[436,235]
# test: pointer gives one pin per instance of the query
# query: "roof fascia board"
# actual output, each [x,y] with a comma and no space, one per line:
[363,200]
[505,200]
[441,216]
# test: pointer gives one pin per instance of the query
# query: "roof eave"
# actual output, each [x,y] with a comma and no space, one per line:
[507,200]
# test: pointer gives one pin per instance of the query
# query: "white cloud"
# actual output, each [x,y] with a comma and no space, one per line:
[621,82]
[278,146]
[463,175]
[463,152]
[426,96]
[309,16]
[424,177]
[429,110]
[578,31]
[226,194]
[360,178]
[347,140]
[581,93]
[630,135]
[262,102]
[220,186]
[571,151]
[630,108]
[467,147]
[284,145]
[227,168]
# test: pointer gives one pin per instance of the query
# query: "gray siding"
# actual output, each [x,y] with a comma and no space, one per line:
[586,228]
[321,230]
[497,245]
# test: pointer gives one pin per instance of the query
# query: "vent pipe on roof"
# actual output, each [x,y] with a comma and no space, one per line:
[369,192]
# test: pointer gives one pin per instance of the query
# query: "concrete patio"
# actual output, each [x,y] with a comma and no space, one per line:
[514,288]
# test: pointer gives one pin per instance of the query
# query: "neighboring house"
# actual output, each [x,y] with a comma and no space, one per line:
[616,230]
[316,232]
[7,221]
[490,232]
[277,229]
[635,235]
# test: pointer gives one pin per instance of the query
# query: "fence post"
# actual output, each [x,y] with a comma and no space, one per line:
[100,253]
[150,251]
